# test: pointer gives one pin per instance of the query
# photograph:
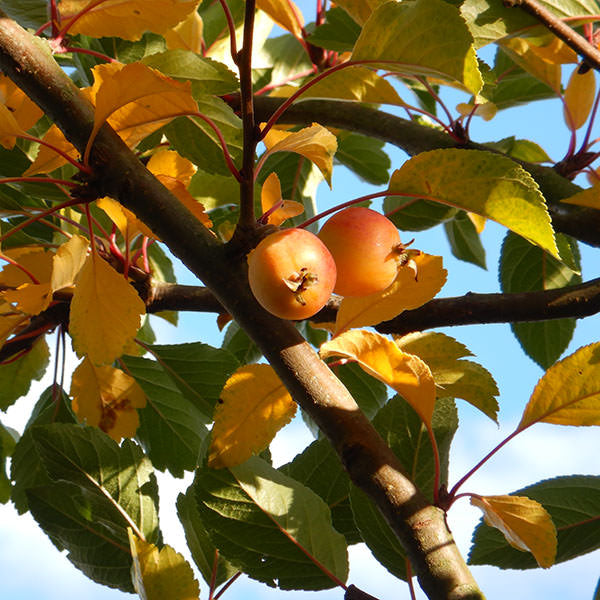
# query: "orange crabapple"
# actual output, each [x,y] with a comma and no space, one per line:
[366,248]
[291,273]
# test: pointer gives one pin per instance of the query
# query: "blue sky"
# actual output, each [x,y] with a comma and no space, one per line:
[31,568]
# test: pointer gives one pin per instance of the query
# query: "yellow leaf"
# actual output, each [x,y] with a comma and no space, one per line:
[285,13]
[181,193]
[525,524]
[579,98]
[107,398]
[158,575]
[187,35]
[381,358]
[24,111]
[478,221]
[253,407]
[127,19]
[9,322]
[67,262]
[589,198]
[10,130]
[29,298]
[354,83]
[158,97]
[359,10]
[520,51]
[406,293]
[487,110]
[47,160]
[172,164]
[105,312]
[556,52]
[568,393]
[270,196]
[453,377]
[316,143]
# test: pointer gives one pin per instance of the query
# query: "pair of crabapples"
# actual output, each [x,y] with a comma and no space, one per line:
[293,272]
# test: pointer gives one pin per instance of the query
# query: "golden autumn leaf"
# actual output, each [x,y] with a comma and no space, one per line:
[568,393]
[47,160]
[525,524]
[105,312]
[107,398]
[589,198]
[555,52]
[270,196]
[10,321]
[254,405]
[478,221]
[23,112]
[407,292]
[285,13]
[127,19]
[454,377]
[154,98]
[187,35]
[67,262]
[127,223]
[383,359]
[316,143]
[159,574]
[579,98]
[486,110]
[29,298]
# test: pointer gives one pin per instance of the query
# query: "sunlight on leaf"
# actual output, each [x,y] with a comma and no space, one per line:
[383,359]
[105,312]
[489,185]
[17,112]
[424,37]
[67,262]
[187,35]
[407,292]
[579,98]
[270,195]
[157,575]
[254,405]
[127,19]
[316,143]
[285,13]
[107,398]
[525,523]
[568,393]
[454,377]
[127,223]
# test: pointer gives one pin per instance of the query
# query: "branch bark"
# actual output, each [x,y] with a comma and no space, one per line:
[421,527]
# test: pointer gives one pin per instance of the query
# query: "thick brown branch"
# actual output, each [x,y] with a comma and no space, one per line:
[580,223]
[371,464]
[560,29]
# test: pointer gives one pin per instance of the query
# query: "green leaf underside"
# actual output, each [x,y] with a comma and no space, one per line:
[171,428]
[574,505]
[339,32]
[464,240]
[527,268]
[198,540]
[364,156]
[423,37]
[319,468]
[370,393]
[480,182]
[98,490]
[269,526]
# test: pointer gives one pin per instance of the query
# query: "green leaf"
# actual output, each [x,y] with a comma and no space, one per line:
[574,505]
[17,376]
[491,20]
[26,469]
[198,370]
[370,393]
[99,489]
[481,182]
[319,468]
[126,51]
[237,342]
[422,37]
[365,156]
[214,24]
[286,57]
[195,140]
[527,268]
[409,214]
[28,13]
[202,549]
[270,526]
[464,240]
[339,32]
[207,76]
[525,150]
[8,441]
[214,190]
[171,428]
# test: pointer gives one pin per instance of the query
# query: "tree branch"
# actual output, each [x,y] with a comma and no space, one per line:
[560,29]
[580,223]
[371,464]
